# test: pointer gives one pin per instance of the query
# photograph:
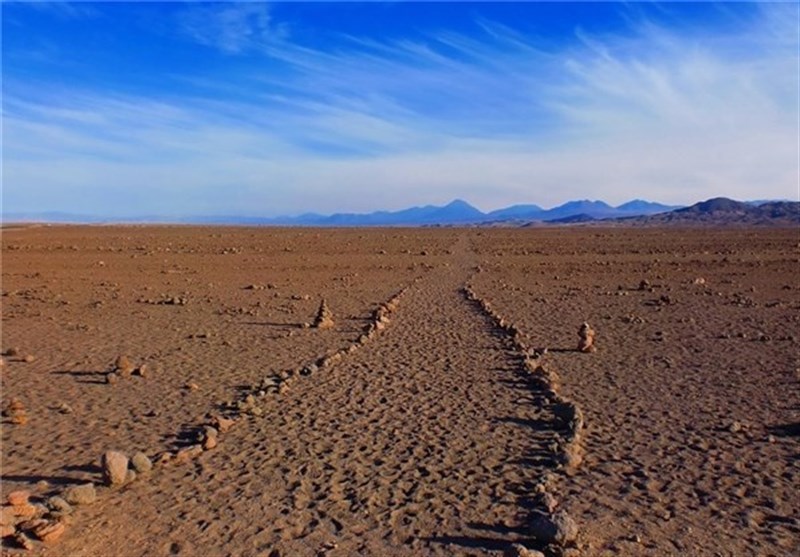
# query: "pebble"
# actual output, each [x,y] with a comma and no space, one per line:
[115,467]
[29,358]
[112,378]
[81,494]
[519,550]
[49,531]
[558,528]
[224,424]
[141,463]
[59,505]
[187,453]
[17,498]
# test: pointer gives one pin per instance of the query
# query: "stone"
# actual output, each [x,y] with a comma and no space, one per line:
[130,476]
[223,424]
[29,358]
[13,351]
[188,453]
[6,531]
[112,378]
[519,550]
[115,467]
[123,366]
[141,463]
[24,541]
[24,511]
[586,334]
[141,371]
[50,531]
[59,505]
[209,443]
[558,528]
[19,419]
[65,408]
[19,497]
[7,516]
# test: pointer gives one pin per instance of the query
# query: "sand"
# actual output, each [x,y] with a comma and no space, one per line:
[426,437]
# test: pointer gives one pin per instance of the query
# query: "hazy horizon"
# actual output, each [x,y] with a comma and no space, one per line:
[272,109]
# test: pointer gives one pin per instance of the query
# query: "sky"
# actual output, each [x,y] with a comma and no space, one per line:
[264,109]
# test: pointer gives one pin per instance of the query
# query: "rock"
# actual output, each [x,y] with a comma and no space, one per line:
[141,371]
[115,468]
[19,419]
[7,516]
[546,501]
[188,453]
[25,511]
[123,366]
[50,531]
[24,541]
[210,432]
[735,427]
[65,408]
[6,531]
[141,463]
[644,284]
[19,497]
[586,334]
[29,358]
[324,319]
[519,550]
[130,476]
[558,528]
[223,424]
[209,443]
[59,505]
[13,351]
[112,378]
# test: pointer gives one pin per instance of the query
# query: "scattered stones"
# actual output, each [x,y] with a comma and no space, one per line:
[115,468]
[324,319]
[558,528]
[586,334]
[80,494]
[141,463]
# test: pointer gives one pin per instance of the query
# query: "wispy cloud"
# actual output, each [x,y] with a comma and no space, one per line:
[496,118]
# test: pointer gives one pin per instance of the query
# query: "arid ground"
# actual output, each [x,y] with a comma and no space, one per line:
[429,419]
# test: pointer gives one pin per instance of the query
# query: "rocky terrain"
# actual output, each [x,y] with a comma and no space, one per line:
[244,391]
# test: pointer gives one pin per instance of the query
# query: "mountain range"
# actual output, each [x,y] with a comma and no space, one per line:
[459,212]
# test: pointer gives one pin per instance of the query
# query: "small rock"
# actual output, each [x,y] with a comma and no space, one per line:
[7,530]
[59,505]
[558,528]
[13,351]
[29,358]
[19,497]
[188,453]
[130,476]
[50,531]
[112,378]
[7,516]
[209,443]
[223,424]
[115,467]
[192,386]
[24,541]
[65,408]
[586,334]
[25,511]
[324,319]
[141,463]
[123,366]
[519,550]
[735,427]
[141,371]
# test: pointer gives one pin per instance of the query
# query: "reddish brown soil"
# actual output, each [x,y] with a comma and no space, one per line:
[422,440]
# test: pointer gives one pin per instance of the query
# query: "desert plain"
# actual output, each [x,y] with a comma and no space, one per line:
[446,410]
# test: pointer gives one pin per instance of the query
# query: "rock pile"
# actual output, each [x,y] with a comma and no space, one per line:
[16,411]
[586,335]
[123,368]
[26,521]
[324,319]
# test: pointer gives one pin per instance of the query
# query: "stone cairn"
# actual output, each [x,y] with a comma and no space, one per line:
[586,342]
[324,319]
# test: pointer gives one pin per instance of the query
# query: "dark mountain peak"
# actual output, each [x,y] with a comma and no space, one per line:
[716,205]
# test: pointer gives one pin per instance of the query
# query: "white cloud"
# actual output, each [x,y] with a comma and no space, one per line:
[670,117]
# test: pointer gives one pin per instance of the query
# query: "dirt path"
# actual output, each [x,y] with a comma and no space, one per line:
[424,441]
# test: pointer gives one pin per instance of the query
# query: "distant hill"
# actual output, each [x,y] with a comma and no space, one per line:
[722,211]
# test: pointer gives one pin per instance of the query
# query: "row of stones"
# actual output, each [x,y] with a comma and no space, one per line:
[550,525]
[46,521]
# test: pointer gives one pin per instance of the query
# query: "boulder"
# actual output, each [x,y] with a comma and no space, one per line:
[115,468]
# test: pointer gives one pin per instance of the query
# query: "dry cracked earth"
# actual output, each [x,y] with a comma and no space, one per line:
[423,436]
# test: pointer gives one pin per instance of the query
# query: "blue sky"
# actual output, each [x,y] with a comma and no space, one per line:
[125,109]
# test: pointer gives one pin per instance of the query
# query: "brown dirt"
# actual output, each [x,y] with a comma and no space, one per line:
[426,439]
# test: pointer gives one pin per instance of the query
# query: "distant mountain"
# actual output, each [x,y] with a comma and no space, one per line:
[721,211]
[458,212]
